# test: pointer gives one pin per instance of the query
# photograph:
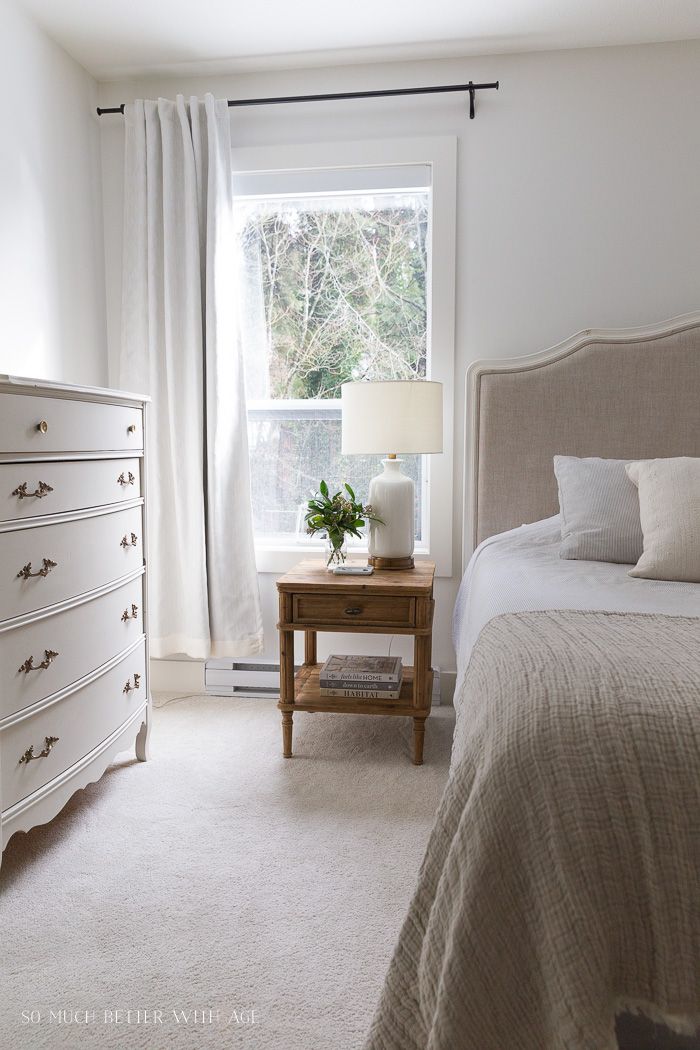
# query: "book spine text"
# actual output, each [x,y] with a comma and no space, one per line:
[362,694]
[360,676]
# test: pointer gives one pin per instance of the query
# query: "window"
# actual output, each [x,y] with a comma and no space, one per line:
[334,284]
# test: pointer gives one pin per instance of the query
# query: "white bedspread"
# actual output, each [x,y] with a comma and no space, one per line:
[521,571]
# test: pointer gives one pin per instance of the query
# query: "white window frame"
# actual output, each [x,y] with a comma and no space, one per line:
[440,154]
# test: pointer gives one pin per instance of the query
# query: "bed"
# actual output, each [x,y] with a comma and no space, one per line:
[558,904]
[520,570]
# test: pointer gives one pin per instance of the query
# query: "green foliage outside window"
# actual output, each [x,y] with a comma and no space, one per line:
[344,293]
[335,291]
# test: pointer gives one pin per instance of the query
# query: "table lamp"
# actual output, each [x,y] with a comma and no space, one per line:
[401,416]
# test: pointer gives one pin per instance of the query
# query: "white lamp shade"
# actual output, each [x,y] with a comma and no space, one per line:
[393,416]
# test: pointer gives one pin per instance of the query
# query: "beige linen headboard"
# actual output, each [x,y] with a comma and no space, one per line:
[621,394]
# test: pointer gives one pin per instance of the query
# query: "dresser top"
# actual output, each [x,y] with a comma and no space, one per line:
[313,576]
[48,388]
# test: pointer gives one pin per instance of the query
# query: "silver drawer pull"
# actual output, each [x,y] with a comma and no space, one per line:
[26,571]
[29,755]
[126,478]
[131,429]
[133,615]
[29,665]
[128,688]
[126,542]
[40,491]
[353,610]
[42,426]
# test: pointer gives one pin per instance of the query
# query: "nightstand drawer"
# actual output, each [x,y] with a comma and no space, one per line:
[371,610]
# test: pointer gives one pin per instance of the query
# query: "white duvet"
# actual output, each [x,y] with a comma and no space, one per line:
[521,571]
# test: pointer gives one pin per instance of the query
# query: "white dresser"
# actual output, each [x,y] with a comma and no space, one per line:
[73,603]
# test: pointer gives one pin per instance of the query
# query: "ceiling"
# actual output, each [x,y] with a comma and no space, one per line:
[115,39]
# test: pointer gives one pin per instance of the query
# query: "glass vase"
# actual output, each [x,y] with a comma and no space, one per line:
[335,554]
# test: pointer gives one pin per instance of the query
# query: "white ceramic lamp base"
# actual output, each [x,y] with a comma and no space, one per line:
[392,496]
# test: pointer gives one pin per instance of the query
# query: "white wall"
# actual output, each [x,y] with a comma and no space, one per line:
[579,196]
[52,301]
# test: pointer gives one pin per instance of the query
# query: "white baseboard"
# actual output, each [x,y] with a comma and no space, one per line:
[448,680]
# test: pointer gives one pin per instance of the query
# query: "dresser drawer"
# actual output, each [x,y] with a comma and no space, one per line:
[48,424]
[28,490]
[86,553]
[70,644]
[81,721]
[372,610]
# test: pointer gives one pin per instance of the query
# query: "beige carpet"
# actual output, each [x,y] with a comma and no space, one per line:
[219,876]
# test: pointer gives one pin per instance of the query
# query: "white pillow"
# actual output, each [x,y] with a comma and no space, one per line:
[669,508]
[599,510]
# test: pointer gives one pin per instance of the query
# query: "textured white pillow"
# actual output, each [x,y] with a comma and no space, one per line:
[599,510]
[669,508]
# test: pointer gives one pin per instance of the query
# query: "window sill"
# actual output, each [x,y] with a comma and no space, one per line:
[281,558]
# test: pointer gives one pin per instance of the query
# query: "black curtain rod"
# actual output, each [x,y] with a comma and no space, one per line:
[281,100]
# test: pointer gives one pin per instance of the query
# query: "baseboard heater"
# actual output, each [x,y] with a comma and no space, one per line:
[258,677]
[249,676]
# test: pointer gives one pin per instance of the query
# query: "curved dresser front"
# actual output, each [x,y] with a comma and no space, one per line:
[73,601]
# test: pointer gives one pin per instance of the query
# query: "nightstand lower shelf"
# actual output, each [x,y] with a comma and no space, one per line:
[307,697]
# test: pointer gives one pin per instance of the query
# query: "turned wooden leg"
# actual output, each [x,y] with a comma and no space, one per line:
[287,725]
[310,647]
[422,674]
[418,737]
[286,671]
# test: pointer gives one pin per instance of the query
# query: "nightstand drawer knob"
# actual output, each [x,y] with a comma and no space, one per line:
[353,610]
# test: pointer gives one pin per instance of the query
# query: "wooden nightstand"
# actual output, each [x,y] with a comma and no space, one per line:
[388,602]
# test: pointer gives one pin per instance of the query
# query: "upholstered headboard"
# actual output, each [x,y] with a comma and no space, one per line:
[624,394]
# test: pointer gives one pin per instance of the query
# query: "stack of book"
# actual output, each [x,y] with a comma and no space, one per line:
[364,677]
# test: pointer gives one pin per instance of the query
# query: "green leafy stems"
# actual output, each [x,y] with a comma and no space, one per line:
[338,516]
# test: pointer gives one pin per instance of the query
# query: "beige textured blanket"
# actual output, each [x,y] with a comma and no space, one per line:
[562,877]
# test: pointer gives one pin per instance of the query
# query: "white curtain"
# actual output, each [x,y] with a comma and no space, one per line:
[181,345]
